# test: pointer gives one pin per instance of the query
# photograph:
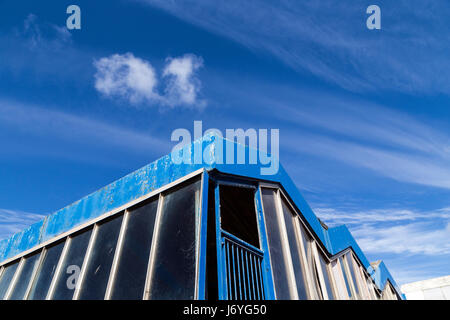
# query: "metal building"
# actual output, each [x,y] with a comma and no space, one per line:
[430,289]
[195,230]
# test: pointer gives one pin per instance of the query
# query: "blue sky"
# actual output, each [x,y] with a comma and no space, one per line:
[363,114]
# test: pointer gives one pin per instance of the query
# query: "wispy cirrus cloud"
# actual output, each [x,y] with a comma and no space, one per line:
[42,49]
[356,218]
[359,133]
[330,40]
[42,35]
[12,221]
[366,123]
[423,169]
[135,80]
[67,135]
[415,243]
[414,238]
[394,230]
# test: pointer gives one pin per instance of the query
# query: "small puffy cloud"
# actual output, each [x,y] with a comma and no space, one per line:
[134,79]
[126,76]
[183,86]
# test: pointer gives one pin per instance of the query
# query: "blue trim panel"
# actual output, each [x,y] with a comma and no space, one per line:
[203,239]
[222,286]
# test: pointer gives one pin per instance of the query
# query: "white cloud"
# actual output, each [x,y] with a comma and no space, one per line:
[126,76]
[425,168]
[398,231]
[391,143]
[135,80]
[12,221]
[413,238]
[329,39]
[183,87]
[336,217]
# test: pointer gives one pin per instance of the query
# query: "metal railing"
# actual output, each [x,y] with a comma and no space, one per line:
[243,269]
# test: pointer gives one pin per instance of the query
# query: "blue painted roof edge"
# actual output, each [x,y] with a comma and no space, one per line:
[164,171]
[120,192]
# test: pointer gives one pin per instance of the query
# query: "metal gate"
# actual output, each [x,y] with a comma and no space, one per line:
[243,269]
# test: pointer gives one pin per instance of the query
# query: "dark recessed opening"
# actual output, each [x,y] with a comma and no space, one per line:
[238,214]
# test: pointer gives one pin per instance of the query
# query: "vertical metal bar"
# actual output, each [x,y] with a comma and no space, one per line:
[117,253]
[253,281]
[227,268]
[224,268]
[261,284]
[246,275]
[334,289]
[35,272]
[260,266]
[286,248]
[363,281]
[256,277]
[268,285]
[349,276]
[304,259]
[239,272]
[244,280]
[153,248]
[344,279]
[55,278]
[14,279]
[202,238]
[219,247]
[320,272]
[257,280]
[87,257]
[249,281]
[234,271]
[262,289]
[229,295]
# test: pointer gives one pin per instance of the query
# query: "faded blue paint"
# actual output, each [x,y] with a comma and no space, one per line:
[134,185]
[22,241]
[203,232]
[221,285]
[164,171]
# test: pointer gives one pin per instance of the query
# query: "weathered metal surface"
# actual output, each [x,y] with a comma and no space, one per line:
[164,171]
